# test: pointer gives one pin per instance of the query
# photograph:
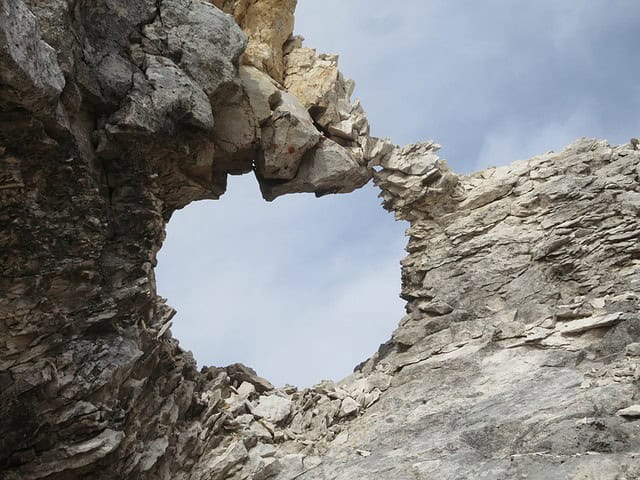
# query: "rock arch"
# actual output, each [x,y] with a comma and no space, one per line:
[521,281]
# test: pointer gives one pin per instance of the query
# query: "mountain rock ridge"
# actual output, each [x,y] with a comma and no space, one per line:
[519,356]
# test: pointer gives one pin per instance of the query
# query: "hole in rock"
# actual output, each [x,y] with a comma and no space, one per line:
[301,289]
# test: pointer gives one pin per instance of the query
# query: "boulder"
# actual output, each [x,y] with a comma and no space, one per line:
[328,168]
[286,137]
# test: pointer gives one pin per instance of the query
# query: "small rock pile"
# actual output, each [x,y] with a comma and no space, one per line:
[256,431]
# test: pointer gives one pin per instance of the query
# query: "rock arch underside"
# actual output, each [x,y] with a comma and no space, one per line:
[518,356]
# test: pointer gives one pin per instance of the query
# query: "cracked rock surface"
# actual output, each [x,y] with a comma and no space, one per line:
[518,356]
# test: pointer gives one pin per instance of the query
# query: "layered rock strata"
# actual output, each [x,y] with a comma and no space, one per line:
[519,356]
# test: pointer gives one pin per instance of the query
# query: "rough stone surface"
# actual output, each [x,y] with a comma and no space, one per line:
[203,39]
[286,137]
[268,24]
[273,408]
[518,356]
[632,411]
[30,75]
[328,168]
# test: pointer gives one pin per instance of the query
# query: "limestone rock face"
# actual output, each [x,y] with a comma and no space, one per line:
[320,86]
[515,358]
[30,74]
[191,31]
[282,79]
[268,24]
[518,356]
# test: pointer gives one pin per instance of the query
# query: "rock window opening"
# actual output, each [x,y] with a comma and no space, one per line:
[301,289]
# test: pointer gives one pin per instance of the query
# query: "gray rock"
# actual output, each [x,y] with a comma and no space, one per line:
[329,168]
[217,467]
[237,134]
[263,92]
[191,31]
[633,349]
[348,407]
[30,76]
[418,159]
[241,373]
[166,98]
[246,389]
[115,76]
[632,411]
[584,324]
[286,137]
[273,408]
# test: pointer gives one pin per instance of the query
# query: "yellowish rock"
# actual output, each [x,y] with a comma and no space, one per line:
[268,24]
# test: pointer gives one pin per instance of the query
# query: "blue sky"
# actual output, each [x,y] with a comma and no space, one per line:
[303,289]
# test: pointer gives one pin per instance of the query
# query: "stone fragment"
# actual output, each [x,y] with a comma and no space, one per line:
[246,389]
[326,169]
[273,408]
[489,192]
[630,200]
[286,137]
[173,99]
[633,350]
[317,82]
[268,468]
[416,159]
[155,450]
[376,150]
[269,24]
[378,380]
[218,466]
[370,398]
[264,94]
[30,76]
[584,324]
[236,132]
[348,407]
[408,336]
[236,404]
[436,190]
[115,77]
[241,373]
[435,308]
[632,411]
[344,129]
[261,464]
[261,432]
[191,32]
[510,330]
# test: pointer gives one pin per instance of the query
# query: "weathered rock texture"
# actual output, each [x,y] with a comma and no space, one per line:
[519,356]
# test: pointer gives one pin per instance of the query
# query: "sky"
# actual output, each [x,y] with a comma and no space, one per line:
[303,289]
